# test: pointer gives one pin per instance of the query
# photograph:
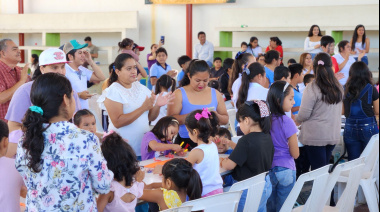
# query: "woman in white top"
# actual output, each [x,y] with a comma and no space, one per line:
[360,44]
[313,41]
[254,48]
[129,104]
[307,62]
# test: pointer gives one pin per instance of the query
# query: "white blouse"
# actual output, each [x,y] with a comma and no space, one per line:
[132,99]
[309,46]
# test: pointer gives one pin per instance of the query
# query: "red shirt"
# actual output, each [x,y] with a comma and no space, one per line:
[279,49]
[335,64]
[8,78]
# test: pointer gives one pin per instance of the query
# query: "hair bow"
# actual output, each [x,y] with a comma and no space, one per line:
[320,62]
[105,134]
[264,110]
[205,114]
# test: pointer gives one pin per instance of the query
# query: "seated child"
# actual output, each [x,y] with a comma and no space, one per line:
[11,183]
[253,154]
[179,181]
[291,62]
[183,62]
[282,73]
[217,71]
[308,78]
[165,84]
[244,47]
[127,185]
[85,120]
[223,141]
[159,141]
[225,78]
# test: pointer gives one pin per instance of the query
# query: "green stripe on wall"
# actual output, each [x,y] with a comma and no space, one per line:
[53,39]
[337,35]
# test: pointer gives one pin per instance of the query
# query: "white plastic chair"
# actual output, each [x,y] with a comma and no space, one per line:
[320,177]
[255,186]
[180,209]
[235,139]
[218,203]
[232,120]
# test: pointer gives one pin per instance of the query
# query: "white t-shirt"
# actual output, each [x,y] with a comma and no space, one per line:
[256,51]
[302,86]
[346,69]
[359,46]
[163,111]
[309,46]
[132,99]
[79,83]
[255,92]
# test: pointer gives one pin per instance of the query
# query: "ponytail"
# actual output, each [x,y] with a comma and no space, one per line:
[118,64]
[207,127]
[124,43]
[240,60]
[167,82]
[194,188]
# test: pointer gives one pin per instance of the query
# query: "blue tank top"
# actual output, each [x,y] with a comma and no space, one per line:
[187,108]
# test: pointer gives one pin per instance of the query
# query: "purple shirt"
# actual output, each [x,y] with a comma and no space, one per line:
[283,128]
[150,62]
[145,154]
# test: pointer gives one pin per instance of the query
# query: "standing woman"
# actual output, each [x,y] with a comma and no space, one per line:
[254,48]
[62,165]
[34,65]
[307,62]
[129,104]
[276,44]
[196,95]
[360,44]
[320,113]
[361,107]
[313,41]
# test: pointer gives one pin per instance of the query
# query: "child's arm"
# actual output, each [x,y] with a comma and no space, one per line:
[227,164]
[155,196]
[23,192]
[293,146]
[153,186]
[195,156]
[103,200]
[159,147]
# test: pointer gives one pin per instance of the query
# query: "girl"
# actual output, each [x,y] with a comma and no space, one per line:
[34,64]
[202,125]
[276,44]
[307,62]
[151,58]
[253,154]
[127,185]
[242,61]
[62,166]
[313,41]
[360,44]
[180,181]
[361,106]
[164,84]
[159,141]
[85,120]
[254,48]
[126,47]
[285,141]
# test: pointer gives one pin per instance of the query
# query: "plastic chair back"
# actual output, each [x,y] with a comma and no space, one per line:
[180,209]
[222,202]
[232,120]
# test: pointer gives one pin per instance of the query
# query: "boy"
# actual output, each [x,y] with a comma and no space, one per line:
[244,47]
[224,79]
[184,62]
[297,75]
[291,62]
[223,141]
[218,70]
[160,68]
[282,73]
[308,79]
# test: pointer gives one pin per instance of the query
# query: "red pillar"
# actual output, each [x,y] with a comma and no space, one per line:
[21,38]
[189,30]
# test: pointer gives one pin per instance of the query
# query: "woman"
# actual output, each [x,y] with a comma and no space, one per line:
[62,165]
[361,107]
[307,62]
[195,95]
[360,44]
[320,113]
[126,46]
[313,41]
[34,64]
[345,60]
[276,44]
[254,48]
[129,104]
[151,58]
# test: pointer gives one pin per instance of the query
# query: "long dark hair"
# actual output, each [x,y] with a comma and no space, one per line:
[360,76]
[4,131]
[206,127]
[194,67]
[326,81]
[165,81]
[184,176]
[118,64]
[160,129]
[312,29]
[36,73]
[254,69]
[47,92]
[253,111]
[35,57]
[237,69]
[121,159]
[355,37]
[277,40]
[251,40]
[276,96]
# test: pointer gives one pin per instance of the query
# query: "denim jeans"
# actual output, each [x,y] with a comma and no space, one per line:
[283,180]
[364,59]
[357,134]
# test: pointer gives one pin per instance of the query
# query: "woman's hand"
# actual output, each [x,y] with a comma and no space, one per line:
[164,100]
[149,103]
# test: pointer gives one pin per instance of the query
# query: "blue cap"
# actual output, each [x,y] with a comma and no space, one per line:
[73,45]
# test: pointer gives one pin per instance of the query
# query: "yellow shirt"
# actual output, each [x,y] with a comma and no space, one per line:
[171,198]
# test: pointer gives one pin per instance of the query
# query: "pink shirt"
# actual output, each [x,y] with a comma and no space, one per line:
[10,183]
[132,53]
[119,191]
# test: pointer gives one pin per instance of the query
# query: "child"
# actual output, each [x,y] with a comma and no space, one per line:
[223,80]
[261,59]
[282,73]
[165,84]
[161,68]
[223,141]
[202,125]
[291,62]
[183,62]
[285,141]
[159,141]
[253,154]
[308,79]
[297,75]
[127,185]
[217,71]
[214,84]
[244,47]
[11,182]
[179,181]
[85,120]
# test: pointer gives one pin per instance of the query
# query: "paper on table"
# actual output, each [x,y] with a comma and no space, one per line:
[153,165]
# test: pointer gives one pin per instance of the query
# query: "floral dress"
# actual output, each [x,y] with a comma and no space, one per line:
[73,169]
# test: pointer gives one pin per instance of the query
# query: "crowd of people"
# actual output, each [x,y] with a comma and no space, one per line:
[52,154]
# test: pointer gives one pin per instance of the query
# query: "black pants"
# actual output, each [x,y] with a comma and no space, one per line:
[302,163]
[319,156]
[186,141]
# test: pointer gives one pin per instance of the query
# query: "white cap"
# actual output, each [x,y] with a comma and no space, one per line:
[52,56]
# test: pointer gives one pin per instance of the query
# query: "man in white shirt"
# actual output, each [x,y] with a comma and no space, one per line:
[79,75]
[204,50]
